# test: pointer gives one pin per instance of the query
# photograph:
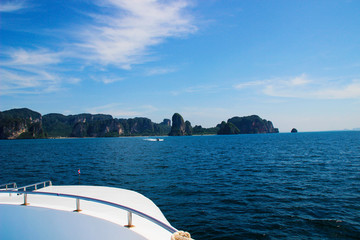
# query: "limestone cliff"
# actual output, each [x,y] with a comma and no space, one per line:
[179,127]
[20,123]
[247,125]
[188,128]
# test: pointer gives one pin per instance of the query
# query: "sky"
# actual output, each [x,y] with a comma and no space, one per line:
[295,63]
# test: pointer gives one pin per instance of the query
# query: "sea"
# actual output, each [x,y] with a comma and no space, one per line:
[258,186]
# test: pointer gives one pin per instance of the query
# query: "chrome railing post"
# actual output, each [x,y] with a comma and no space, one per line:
[25,200]
[129,225]
[77,205]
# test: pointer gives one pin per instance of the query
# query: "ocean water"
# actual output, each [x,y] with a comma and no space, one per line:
[265,186]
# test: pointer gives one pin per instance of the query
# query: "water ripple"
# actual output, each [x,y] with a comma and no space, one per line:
[275,186]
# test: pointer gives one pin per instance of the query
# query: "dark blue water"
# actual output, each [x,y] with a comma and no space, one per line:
[270,186]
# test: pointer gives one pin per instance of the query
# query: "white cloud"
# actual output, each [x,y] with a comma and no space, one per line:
[120,33]
[73,80]
[159,71]
[197,89]
[19,57]
[114,109]
[305,88]
[282,86]
[11,6]
[196,115]
[107,78]
[118,110]
[294,87]
[299,80]
[111,80]
[29,72]
[249,84]
[29,82]
[349,91]
[123,38]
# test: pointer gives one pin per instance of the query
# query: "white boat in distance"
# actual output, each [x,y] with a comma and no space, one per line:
[154,139]
[80,212]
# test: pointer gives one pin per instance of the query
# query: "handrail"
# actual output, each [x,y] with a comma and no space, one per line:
[7,184]
[35,185]
[123,207]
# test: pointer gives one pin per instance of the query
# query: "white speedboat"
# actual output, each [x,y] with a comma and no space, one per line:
[154,139]
[80,212]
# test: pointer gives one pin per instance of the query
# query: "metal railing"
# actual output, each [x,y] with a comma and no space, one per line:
[35,185]
[8,184]
[78,198]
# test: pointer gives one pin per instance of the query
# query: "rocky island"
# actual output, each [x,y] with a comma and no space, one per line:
[179,127]
[25,123]
[247,125]
[294,130]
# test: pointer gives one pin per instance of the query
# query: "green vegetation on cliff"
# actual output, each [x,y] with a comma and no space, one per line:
[228,128]
[199,130]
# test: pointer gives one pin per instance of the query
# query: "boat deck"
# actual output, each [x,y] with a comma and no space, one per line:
[53,217]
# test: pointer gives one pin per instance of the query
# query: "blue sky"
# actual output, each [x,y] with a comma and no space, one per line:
[296,63]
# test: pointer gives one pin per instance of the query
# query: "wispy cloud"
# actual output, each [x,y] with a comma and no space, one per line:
[298,87]
[12,6]
[27,82]
[197,89]
[120,33]
[118,110]
[29,72]
[348,91]
[108,79]
[40,57]
[159,71]
[306,88]
[249,84]
[123,36]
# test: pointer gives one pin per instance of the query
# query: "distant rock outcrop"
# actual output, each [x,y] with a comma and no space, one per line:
[20,123]
[166,122]
[188,128]
[228,128]
[179,127]
[247,125]
[294,130]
